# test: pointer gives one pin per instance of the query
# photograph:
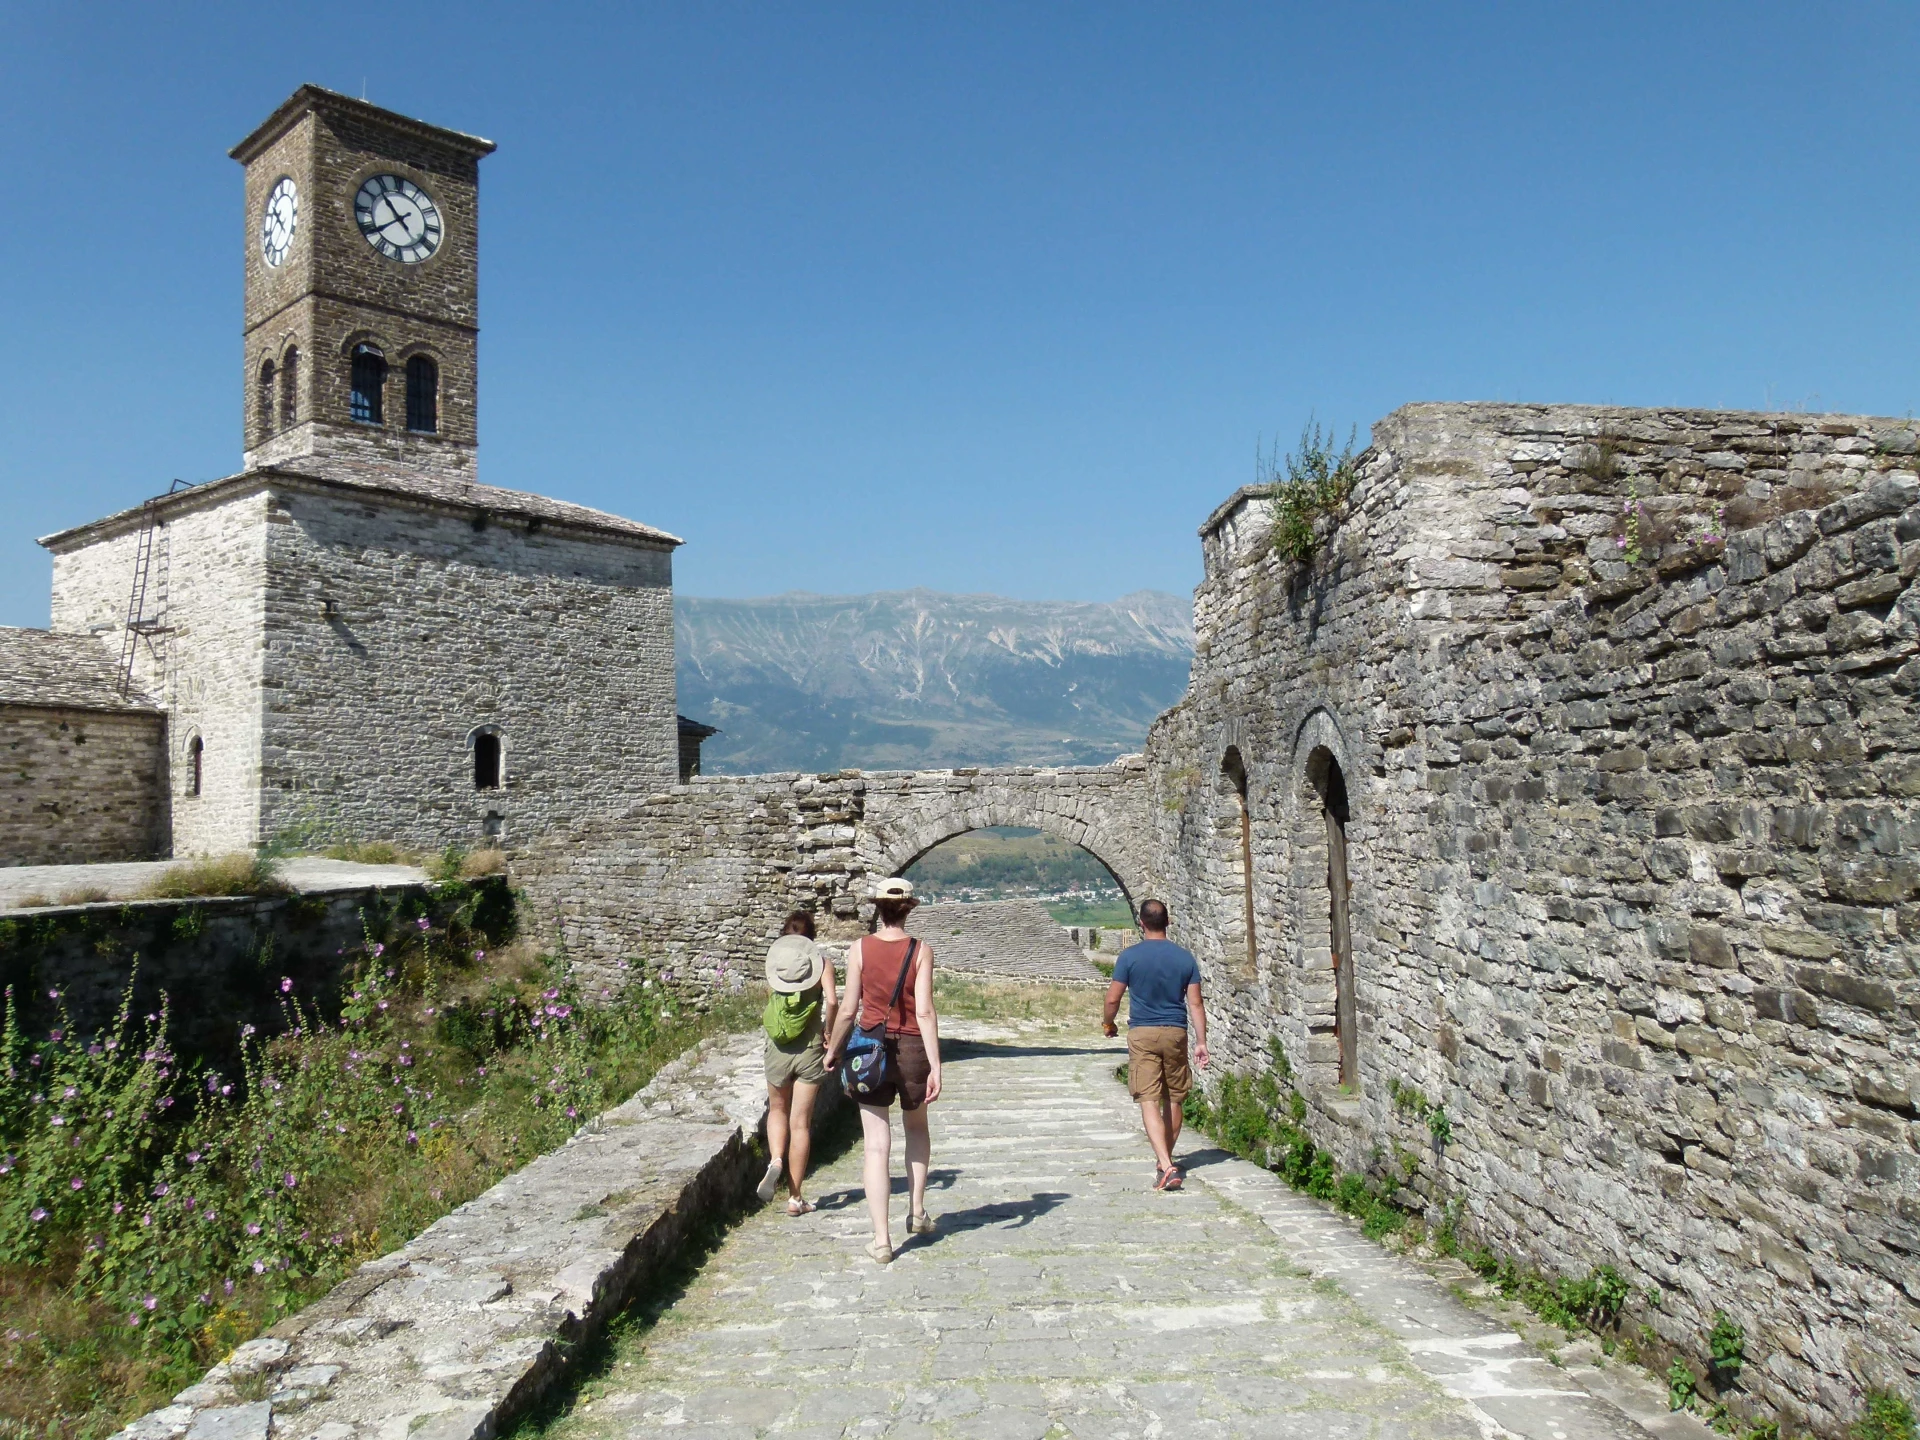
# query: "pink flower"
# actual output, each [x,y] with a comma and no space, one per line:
[77,1183]
[227,1285]
[378,950]
[151,1301]
[424,923]
[259,1267]
[286,985]
[70,1092]
[289,1181]
[252,1229]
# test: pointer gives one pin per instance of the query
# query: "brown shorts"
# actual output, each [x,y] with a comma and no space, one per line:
[1157,1062]
[907,1065]
[805,1062]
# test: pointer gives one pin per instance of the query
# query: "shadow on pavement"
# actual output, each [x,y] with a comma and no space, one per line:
[1015,1214]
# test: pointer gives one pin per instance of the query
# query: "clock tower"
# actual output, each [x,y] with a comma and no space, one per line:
[362,291]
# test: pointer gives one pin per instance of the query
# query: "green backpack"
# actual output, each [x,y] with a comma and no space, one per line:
[788,1016]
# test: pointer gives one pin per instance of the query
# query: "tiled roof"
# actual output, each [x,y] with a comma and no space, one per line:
[74,672]
[471,498]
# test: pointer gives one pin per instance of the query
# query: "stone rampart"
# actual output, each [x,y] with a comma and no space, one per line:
[81,785]
[1615,710]
[703,873]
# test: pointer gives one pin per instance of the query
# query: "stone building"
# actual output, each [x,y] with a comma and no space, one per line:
[1570,787]
[352,638]
[82,760]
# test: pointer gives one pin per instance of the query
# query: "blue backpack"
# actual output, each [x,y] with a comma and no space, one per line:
[864,1068]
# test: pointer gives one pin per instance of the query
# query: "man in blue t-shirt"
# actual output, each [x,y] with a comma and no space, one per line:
[1165,981]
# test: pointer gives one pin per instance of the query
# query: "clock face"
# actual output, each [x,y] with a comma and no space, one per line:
[398,218]
[278,221]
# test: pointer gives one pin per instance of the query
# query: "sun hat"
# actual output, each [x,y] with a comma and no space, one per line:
[793,964]
[894,889]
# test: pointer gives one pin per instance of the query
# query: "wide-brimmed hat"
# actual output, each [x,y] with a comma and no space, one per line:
[894,889]
[793,964]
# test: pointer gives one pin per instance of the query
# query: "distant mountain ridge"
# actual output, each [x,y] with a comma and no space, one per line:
[914,678]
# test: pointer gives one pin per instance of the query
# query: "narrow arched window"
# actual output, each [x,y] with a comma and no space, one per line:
[423,395]
[267,400]
[369,376]
[196,755]
[486,761]
[289,389]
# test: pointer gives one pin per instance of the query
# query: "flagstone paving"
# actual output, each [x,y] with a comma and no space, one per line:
[1062,1296]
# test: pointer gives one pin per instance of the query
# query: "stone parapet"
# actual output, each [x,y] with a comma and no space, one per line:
[457,1333]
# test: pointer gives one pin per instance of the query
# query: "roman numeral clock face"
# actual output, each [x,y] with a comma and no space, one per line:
[398,218]
[279,220]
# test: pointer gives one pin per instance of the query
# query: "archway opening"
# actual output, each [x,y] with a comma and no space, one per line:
[1330,791]
[1237,822]
[1015,901]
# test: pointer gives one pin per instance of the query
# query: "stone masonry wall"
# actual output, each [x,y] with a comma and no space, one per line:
[703,873]
[397,630]
[207,586]
[78,786]
[1623,705]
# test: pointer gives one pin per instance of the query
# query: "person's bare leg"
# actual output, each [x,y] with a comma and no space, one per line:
[800,1146]
[1176,1117]
[876,1132]
[779,1102]
[1153,1116]
[919,1154]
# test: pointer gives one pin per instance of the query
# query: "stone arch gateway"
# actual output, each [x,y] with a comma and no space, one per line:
[693,882]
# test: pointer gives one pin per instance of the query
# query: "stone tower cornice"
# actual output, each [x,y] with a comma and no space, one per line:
[316,97]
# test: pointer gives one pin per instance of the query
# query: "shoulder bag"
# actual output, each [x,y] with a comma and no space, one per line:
[864,1067]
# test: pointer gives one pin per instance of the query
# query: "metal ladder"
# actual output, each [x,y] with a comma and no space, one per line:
[139,623]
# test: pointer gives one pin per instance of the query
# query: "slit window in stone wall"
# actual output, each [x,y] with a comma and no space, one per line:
[486,760]
[423,395]
[196,756]
[290,389]
[1233,775]
[268,399]
[1332,786]
[367,403]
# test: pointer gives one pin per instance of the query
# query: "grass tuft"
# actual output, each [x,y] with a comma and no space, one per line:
[217,875]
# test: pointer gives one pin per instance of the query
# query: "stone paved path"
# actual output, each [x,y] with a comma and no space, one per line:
[1061,1296]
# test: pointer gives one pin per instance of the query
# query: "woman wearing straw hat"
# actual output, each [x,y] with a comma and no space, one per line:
[799,1012]
[890,980]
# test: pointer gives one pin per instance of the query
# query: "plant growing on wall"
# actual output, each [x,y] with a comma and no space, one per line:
[1306,485]
[1727,1346]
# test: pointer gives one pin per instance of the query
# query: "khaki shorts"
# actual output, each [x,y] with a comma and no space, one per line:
[805,1062]
[1157,1062]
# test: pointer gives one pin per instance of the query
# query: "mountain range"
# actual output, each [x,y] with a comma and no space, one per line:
[916,679]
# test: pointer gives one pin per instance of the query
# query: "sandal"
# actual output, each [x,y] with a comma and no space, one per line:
[880,1251]
[1172,1179]
[770,1181]
[796,1206]
[921,1224]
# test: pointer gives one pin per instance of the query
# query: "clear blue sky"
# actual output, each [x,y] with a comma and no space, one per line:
[984,297]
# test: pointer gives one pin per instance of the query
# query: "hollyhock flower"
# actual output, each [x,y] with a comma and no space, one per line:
[259,1267]
[37,1215]
[252,1229]
[378,950]
[77,1183]
[424,923]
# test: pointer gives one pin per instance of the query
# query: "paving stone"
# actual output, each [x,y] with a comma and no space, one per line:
[1083,1303]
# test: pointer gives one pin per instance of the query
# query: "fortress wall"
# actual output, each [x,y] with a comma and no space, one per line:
[396,630]
[703,873]
[78,786]
[1632,851]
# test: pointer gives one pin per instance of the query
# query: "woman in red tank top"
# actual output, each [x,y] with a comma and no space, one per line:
[874,965]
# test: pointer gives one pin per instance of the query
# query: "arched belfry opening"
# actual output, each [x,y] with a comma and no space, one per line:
[1241,942]
[1329,787]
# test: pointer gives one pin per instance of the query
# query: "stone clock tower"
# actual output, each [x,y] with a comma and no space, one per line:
[362,290]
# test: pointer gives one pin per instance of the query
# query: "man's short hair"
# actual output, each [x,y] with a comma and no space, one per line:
[1153,916]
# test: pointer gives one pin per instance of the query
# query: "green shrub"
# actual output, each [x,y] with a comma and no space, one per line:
[1887,1416]
[1727,1346]
[1681,1385]
[1305,485]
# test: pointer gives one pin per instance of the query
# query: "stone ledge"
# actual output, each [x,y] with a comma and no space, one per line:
[455,1334]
